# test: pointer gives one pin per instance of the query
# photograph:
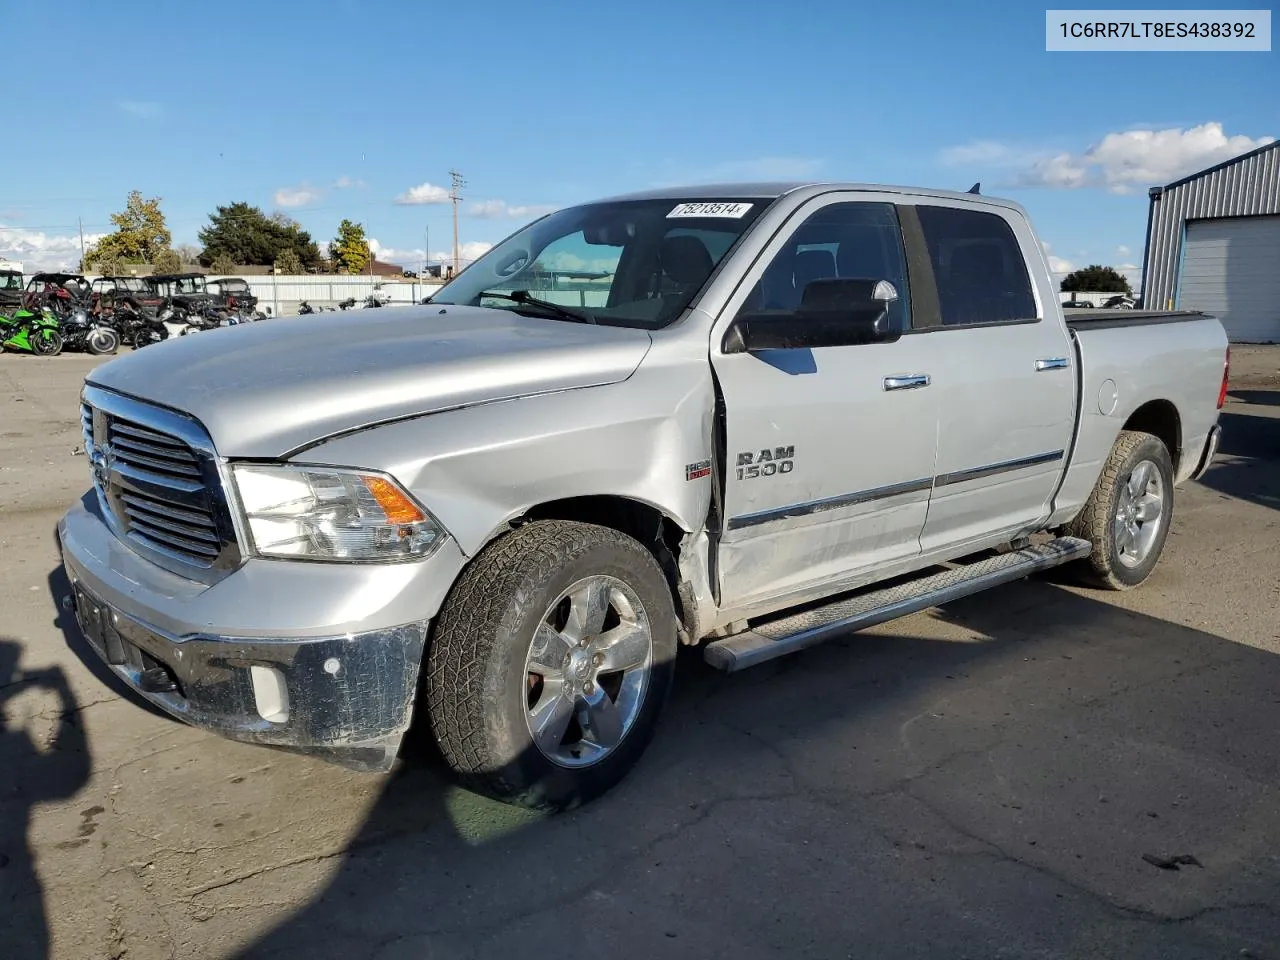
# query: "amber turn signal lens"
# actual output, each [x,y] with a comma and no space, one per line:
[397,507]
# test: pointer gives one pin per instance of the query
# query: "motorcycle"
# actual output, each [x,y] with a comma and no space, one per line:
[347,304]
[31,331]
[305,308]
[89,334]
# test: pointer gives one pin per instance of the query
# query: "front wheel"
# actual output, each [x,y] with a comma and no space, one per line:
[551,660]
[1127,516]
[46,342]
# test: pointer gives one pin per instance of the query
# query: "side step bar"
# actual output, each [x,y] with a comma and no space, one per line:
[777,638]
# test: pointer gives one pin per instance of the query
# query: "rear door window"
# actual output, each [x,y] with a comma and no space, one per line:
[979,269]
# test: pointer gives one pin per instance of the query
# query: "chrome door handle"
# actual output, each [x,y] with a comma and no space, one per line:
[1054,363]
[906,383]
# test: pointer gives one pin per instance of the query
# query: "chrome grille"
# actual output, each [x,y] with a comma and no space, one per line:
[158,484]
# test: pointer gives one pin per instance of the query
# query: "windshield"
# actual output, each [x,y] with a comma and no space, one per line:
[10,281]
[635,263]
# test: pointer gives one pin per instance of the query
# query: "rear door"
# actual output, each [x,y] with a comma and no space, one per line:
[1007,392]
[829,451]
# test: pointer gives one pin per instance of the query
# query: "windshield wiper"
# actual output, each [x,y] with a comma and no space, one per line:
[524,297]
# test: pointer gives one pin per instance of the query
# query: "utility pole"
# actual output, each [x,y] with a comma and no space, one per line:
[80,221]
[458,183]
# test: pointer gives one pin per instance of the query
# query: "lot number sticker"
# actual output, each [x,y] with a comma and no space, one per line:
[706,208]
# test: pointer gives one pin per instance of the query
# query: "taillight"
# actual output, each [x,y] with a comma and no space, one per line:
[1226,375]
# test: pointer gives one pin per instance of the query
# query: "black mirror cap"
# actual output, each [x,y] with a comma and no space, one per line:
[807,329]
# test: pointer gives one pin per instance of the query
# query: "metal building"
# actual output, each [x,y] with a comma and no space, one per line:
[1213,244]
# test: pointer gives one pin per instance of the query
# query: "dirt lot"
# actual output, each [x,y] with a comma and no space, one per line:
[983,780]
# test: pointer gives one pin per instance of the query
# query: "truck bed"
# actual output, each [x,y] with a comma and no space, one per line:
[1110,319]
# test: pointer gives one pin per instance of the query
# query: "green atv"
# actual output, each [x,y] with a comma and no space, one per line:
[28,331]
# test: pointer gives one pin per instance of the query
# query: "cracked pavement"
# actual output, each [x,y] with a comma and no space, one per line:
[982,780]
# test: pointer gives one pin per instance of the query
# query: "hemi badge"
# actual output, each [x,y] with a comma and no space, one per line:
[695,471]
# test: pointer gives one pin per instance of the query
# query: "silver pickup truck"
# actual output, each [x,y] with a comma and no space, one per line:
[723,416]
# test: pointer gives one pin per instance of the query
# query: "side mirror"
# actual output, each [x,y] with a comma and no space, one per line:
[832,313]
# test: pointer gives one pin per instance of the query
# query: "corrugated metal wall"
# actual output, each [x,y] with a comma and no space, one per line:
[1249,186]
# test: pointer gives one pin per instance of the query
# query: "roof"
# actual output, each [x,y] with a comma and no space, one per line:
[772,190]
[1274,144]
[56,277]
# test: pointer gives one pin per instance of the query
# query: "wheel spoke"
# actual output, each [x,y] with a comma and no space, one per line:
[1139,480]
[604,722]
[1122,537]
[547,655]
[623,647]
[587,609]
[1150,507]
[550,717]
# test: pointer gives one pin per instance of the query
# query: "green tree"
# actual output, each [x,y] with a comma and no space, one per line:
[167,261]
[247,235]
[1096,279]
[350,249]
[140,234]
[223,263]
[288,263]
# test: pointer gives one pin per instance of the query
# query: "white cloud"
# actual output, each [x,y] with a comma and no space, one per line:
[38,251]
[139,108]
[1120,162]
[296,196]
[1122,251]
[423,193]
[411,258]
[344,182]
[500,209]
[1058,266]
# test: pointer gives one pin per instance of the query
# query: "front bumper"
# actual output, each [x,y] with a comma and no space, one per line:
[344,694]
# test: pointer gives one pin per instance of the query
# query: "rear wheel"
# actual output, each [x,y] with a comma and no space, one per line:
[550,663]
[1127,516]
[102,340]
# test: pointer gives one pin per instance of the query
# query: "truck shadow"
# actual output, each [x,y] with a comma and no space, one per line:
[981,780]
[1249,468]
[45,757]
[1262,398]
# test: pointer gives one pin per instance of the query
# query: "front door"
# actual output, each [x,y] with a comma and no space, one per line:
[829,451]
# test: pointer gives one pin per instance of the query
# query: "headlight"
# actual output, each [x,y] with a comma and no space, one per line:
[316,513]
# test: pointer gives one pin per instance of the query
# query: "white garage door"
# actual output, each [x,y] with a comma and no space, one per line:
[1231,269]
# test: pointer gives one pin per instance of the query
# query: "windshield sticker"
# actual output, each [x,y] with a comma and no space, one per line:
[705,208]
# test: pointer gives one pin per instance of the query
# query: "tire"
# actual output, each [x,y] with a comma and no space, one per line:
[1121,561]
[102,341]
[487,686]
[46,342]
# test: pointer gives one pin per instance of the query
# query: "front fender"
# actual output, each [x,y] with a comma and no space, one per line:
[478,468]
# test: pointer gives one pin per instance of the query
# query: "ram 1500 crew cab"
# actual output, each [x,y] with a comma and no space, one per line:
[669,418]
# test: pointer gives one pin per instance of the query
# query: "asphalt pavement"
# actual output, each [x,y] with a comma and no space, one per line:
[1040,771]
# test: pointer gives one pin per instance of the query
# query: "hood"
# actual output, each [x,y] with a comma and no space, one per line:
[265,389]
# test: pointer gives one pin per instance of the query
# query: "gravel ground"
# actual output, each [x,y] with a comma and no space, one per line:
[990,779]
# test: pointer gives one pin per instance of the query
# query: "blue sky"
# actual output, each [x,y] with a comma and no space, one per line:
[337,109]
